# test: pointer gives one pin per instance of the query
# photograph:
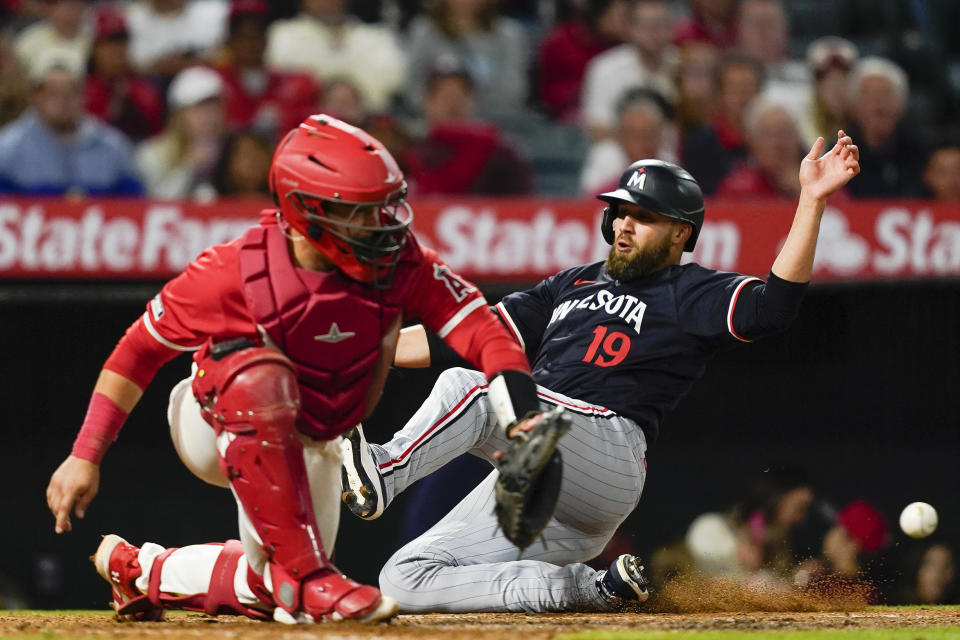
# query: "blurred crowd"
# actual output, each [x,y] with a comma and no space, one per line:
[186,98]
[782,537]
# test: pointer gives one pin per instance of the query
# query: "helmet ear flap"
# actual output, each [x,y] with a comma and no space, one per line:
[606,223]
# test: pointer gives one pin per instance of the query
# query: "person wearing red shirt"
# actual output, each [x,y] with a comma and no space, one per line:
[267,101]
[713,21]
[114,93]
[293,327]
[711,150]
[569,46]
[461,154]
[770,169]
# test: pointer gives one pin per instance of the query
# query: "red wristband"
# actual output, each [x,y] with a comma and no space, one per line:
[100,428]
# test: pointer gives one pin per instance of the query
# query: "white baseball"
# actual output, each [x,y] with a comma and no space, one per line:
[918,519]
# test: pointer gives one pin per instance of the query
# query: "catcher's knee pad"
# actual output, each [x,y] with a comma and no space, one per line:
[250,390]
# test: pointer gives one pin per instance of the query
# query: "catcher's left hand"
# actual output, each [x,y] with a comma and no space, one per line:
[530,475]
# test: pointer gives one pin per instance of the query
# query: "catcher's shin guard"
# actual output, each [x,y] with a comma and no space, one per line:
[253,395]
[117,562]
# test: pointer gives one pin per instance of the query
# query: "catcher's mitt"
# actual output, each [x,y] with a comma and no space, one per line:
[530,475]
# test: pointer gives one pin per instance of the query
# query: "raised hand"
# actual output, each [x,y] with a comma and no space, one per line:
[822,176]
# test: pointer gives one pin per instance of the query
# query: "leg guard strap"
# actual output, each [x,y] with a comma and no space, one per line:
[220,598]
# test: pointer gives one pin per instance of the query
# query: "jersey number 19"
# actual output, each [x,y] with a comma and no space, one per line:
[616,346]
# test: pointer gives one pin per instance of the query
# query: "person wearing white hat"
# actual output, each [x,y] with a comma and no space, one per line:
[178,162]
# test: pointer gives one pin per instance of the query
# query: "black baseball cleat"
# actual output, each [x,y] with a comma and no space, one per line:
[363,490]
[624,582]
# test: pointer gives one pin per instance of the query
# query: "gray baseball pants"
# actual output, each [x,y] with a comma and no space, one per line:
[464,563]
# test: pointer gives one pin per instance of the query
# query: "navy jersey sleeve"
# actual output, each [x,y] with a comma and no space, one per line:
[526,314]
[707,299]
[766,308]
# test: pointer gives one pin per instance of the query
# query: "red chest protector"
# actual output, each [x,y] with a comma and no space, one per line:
[329,325]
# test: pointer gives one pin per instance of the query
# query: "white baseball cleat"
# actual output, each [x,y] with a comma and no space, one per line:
[363,490]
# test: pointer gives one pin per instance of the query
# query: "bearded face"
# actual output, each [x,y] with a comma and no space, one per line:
[638,262]
[643,243]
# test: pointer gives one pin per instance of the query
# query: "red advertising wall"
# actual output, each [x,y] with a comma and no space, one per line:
[484,239]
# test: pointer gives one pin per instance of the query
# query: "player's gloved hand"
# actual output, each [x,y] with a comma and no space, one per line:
[72,487]
[531,471]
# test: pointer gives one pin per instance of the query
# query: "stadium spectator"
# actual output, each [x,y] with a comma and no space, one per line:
[492,48]
[830,59]
[267,101]
[762,32]
[328,42]
[942,173]
[931,570]
[62,33]
[858,535]
[565,51]
[390,131]
[647,59]
[179,161]
[167,36]
[710,151]
[459,154]
[642,131]
[55,147]
[711,21]
[114,93]
[778,502]
[695,85]
[14,86]
[771,168]
[243,166]
[342,99]
[891,157]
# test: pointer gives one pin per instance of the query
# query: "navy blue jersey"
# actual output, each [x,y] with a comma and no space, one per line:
[634,347]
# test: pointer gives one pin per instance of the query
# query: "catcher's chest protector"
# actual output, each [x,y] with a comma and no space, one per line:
[328,325]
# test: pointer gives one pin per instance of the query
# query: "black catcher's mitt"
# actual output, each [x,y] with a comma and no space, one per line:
[530,475]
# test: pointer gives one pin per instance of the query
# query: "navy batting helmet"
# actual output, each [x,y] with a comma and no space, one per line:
[661,187]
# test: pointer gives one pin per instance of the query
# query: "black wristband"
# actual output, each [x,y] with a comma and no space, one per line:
[522,391]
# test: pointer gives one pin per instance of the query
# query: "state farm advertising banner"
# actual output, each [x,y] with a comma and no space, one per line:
[487,240]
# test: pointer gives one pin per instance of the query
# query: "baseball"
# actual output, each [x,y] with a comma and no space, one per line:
[918,519]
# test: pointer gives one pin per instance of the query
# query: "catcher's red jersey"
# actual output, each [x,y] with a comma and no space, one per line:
[328,324]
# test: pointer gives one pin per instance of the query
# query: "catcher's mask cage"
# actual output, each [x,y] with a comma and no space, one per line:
[343,191]
[661,187]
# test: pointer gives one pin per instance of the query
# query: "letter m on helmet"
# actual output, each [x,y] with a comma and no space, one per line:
[637,179]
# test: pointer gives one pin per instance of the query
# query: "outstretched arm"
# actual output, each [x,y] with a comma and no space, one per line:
[76,481]
[820,177]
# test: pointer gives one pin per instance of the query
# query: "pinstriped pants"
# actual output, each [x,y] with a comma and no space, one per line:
[464,563]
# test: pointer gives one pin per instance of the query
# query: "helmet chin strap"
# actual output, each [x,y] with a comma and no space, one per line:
[285,229]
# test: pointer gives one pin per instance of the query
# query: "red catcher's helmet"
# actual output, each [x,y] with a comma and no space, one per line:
[326,161]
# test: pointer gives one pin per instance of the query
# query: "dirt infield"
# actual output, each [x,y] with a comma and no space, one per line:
[455,627]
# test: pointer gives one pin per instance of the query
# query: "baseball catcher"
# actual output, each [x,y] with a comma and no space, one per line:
[292,327]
